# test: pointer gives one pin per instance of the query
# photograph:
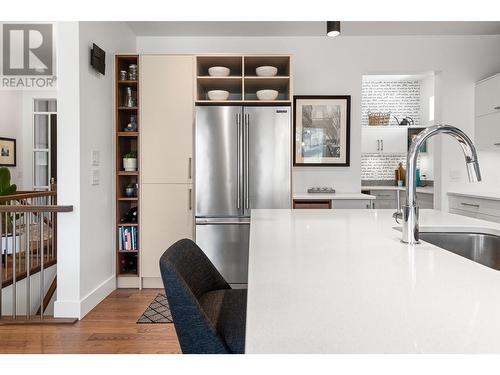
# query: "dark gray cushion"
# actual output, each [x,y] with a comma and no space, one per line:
[226,311]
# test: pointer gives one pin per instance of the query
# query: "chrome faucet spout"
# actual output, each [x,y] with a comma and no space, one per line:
[410,211]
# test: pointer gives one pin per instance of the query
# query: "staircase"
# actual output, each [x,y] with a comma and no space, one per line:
[28,256]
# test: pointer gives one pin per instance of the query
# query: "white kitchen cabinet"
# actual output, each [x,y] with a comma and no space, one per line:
[487,132]
[424,200]
[488,96]
[166,118]
[481,208]
[384,140]
[166,217]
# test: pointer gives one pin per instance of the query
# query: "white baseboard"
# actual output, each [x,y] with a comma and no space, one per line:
[67,309]
[152,282]
[78,309]
[128,282]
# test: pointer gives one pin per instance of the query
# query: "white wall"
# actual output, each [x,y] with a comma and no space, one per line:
[85,107]
[98,256]
[336,65]
[68,170]
[11,122]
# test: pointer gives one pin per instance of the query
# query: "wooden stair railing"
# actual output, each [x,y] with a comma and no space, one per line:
[28,247]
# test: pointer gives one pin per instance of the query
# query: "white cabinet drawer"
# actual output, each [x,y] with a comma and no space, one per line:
[384,204]
[487,132]
[475,205]
[424,200]
[384,194]
[488,96]
[351,203]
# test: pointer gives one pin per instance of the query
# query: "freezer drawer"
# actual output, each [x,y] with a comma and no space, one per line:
[226,245]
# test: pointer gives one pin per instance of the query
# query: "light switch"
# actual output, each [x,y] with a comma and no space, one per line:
[95,157]
[95,177]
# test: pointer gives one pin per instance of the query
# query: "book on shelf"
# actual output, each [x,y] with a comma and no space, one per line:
[127,239]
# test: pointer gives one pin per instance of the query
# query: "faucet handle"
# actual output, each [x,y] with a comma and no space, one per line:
[398,215]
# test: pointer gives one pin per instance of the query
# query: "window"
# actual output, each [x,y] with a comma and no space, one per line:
[44,137]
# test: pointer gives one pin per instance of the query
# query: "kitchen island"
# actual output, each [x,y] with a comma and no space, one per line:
[340,281]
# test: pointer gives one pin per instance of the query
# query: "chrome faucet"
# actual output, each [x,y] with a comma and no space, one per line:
[409,212]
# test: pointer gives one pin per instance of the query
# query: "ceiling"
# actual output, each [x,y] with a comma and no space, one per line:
[310,28]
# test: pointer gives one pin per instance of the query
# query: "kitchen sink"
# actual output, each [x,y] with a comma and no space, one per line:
[479,247]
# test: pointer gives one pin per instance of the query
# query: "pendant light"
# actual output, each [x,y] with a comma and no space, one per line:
[332,28]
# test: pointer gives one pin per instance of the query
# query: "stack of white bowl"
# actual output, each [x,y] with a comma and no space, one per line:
[266,71]
[218,71]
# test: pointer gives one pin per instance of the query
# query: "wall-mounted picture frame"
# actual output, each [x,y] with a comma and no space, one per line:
[7,152]
[321,127]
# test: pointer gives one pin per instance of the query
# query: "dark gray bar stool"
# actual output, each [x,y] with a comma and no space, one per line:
[209,316]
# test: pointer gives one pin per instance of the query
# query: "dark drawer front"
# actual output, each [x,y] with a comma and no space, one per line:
[312,203]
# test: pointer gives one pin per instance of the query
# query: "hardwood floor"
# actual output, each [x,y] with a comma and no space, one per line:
[109,328]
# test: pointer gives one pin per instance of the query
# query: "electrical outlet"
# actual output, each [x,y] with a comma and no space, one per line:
[94,177]
[94,157]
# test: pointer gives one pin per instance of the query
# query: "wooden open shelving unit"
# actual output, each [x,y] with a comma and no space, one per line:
[127,261]
[243,83]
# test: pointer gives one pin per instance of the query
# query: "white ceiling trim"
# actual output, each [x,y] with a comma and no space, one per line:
[310,28]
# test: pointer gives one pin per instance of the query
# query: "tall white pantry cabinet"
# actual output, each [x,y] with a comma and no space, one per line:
[166,158]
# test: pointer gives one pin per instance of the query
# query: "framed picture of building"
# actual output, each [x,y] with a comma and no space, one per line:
[7,152]
[321,126]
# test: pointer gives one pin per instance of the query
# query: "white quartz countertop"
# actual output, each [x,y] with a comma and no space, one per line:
[482,195]
[341,281]
[335,196]
[426,189]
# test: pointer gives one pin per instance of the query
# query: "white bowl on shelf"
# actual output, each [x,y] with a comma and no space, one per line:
[218,94]
[267,94]
[219,71]
[266,71]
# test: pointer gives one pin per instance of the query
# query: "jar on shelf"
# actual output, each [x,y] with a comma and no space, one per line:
[129,97]
[132,124]
[132,72]
[123,75]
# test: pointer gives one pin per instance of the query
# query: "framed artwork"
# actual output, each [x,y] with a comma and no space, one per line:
[7,152]
[321,125]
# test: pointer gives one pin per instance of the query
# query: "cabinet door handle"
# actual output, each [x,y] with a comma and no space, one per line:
[469,204]
[190,190]
[382,143]
[378,144]
[496,144]
[190,168]
[497,107]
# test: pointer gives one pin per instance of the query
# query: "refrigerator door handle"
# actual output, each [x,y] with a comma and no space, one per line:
[247,145]
[238,170]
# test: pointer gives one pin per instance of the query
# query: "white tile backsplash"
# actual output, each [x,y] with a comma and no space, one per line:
[381,166]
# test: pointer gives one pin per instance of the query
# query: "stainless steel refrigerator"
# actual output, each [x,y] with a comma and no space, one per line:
[242,163]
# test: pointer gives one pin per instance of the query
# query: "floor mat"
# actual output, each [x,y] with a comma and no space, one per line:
[158,312]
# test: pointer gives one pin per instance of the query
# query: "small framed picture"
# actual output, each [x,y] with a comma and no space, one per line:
[7,152]
[321,125]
